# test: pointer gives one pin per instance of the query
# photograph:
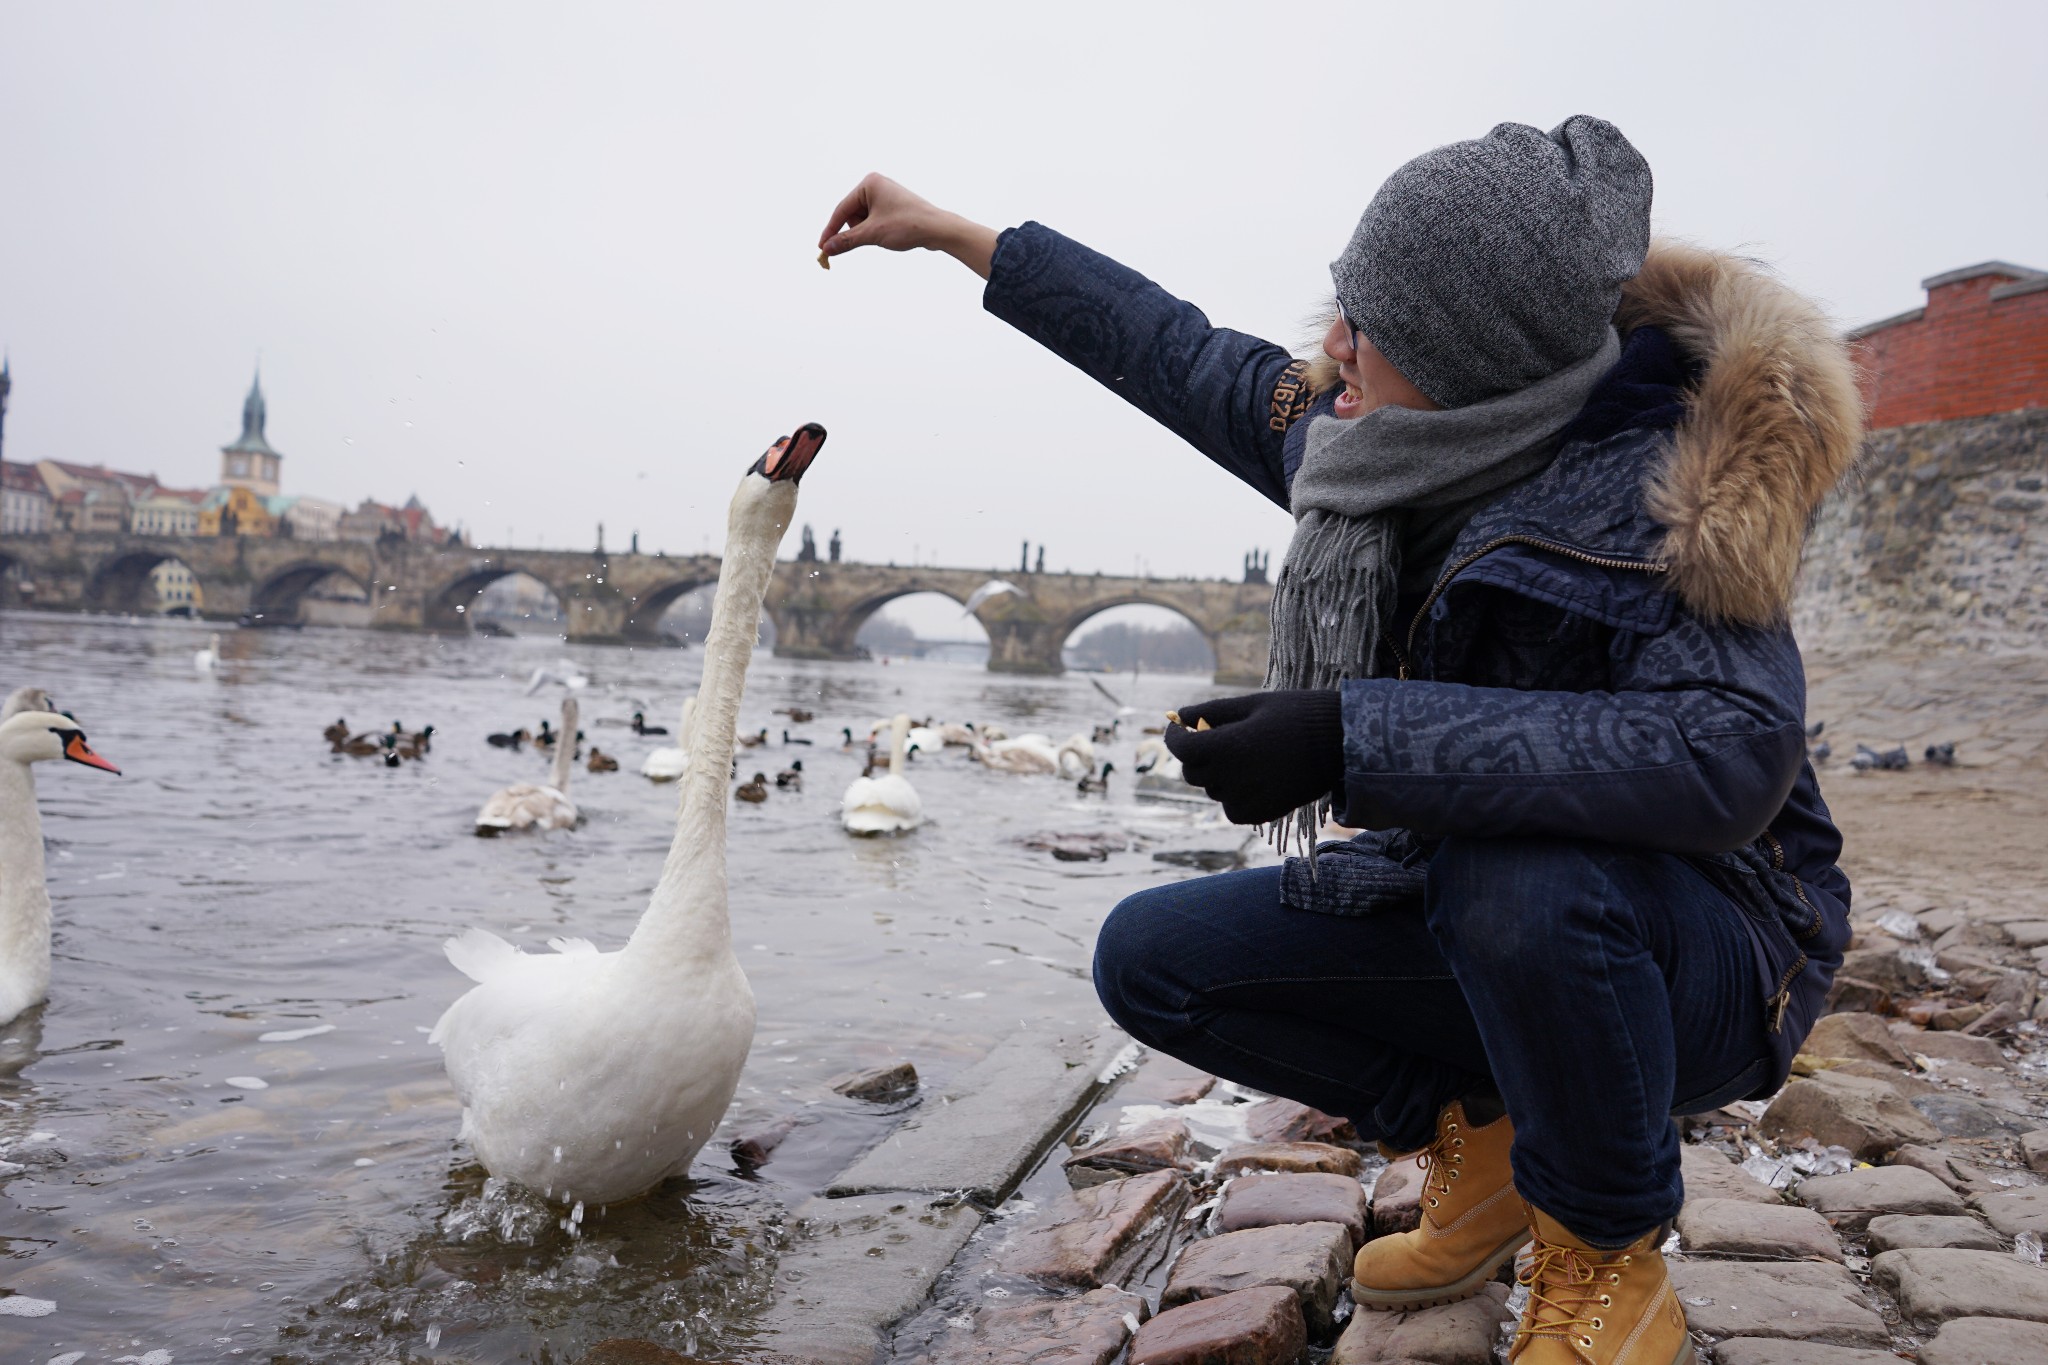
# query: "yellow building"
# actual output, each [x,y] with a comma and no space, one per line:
[236,512]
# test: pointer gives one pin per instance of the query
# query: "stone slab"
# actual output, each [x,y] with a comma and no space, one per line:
[1090,1329]
[1848,1036]
[1169,1080]
[1796,1300]
[1088,1238]
[980,1133]
[855,1267]
[1161,1145]
[1289,1156]
[1251,1327]
[878,1084]
[1737,1227]
[1893,1231]
[1259,1201]
[1960,1116]
[1866,1116]
[1764,1351]
[1286,1121]
[1850,1200]
[1450,1334]
[1950,1047]
[1397,1197]
[631,1351]
[1309,1260]
[1986,1341]
[1709,1174]
[2013,1212]
[2034,1149]
[1935,1284]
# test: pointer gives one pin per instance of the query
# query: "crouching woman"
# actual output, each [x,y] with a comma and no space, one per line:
[1550,485]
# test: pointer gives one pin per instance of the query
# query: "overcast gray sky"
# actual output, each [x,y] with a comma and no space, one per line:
[552,265]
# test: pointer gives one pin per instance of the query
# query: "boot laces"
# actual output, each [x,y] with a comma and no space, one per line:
[1439,1162]
[1568,1291]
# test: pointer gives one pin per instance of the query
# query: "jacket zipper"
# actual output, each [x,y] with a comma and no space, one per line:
[1402,653]
[1783,997]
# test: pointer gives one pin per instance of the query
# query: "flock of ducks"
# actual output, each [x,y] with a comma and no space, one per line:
[589,1076]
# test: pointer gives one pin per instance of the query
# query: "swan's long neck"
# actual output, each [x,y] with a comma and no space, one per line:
[565,747]
[687,920]
[24,893]
[899,731]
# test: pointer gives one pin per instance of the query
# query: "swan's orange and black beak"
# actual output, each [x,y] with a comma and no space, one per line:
[78,751]
[789,457]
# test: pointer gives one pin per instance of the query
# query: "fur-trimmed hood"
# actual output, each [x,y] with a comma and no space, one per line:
[1772,424]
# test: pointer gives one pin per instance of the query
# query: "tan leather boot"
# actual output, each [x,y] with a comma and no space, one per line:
[1593,1307]
[1472,1222]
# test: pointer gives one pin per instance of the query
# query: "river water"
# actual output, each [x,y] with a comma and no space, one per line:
[233,1138]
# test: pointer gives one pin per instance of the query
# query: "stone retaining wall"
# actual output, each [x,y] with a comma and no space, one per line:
[1939,542]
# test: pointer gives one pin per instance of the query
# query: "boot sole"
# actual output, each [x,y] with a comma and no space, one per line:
[1400,1300]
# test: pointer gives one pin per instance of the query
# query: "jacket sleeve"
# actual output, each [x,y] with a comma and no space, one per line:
[1229,395]
[1694,751]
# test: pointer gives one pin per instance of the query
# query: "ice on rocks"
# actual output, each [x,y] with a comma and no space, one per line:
[22,1306]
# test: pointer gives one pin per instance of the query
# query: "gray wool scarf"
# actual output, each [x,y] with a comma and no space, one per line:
[1358,480]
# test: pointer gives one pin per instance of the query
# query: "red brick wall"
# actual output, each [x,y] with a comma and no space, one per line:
[1967,355]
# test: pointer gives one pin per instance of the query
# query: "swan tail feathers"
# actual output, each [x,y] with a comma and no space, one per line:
[479,954]
[568,946]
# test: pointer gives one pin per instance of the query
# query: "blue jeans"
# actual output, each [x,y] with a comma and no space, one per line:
[1599,990]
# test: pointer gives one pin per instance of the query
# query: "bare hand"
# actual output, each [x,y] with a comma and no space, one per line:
[880,212]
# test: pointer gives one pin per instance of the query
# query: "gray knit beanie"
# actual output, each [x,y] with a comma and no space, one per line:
[1484,266]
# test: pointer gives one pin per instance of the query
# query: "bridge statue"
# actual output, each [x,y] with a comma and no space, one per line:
[817,608]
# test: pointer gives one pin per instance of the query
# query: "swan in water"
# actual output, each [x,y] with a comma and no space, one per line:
[1029,754]
[886,804]
[670,762]
[593,1076]
[525,806]
[205,660]
[31,733]
[1076,757]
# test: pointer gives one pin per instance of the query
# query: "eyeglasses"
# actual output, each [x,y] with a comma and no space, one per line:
[1350,327]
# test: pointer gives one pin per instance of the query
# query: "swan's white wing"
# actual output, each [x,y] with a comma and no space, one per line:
[541,678]
[995,587]
[480,954]
[572,945]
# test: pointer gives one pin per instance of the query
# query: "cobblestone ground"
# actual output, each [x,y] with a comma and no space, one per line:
[1891,1202]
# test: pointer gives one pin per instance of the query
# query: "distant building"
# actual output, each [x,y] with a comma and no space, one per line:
[304,518]
[6,387]
[236,512]
[175,588]
[24,500]
[378,521]
[167,512]
[1978,346]
[92,498]
[250,462]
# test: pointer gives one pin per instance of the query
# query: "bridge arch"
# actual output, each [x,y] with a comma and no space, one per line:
[449,606]
[1063,630]
[120,583]
[643,620]
[276,599]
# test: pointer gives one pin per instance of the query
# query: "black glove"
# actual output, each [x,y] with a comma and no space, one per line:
[1266,754]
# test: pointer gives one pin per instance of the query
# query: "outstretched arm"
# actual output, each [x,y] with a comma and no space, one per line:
[882,213]
[1231,396]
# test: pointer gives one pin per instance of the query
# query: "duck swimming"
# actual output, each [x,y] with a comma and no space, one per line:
[601,762]
[502,740]
[755,792]
[30,733]
[335,733]
[641,727]
[592,1076]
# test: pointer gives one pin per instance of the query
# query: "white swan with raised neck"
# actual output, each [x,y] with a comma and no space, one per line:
[588,1076]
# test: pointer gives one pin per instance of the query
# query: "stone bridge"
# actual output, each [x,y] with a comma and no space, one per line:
[817,608]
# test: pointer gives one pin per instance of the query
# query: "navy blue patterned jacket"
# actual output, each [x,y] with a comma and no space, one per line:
[1605,654]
